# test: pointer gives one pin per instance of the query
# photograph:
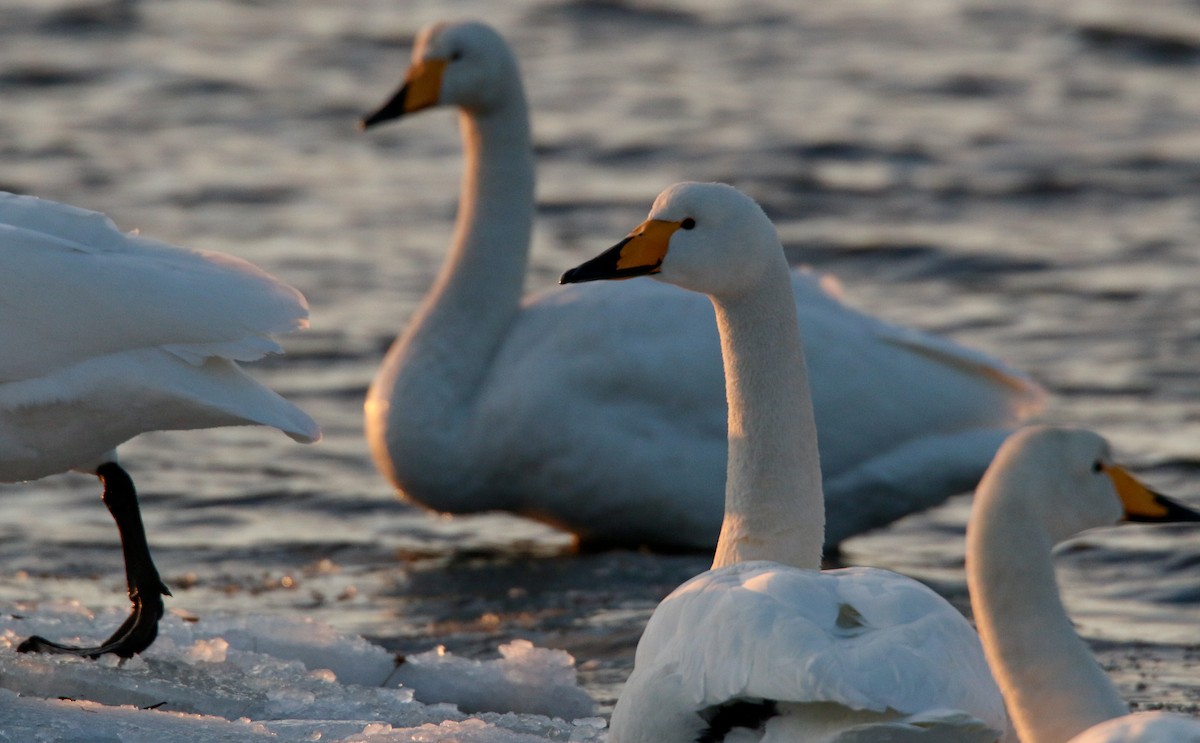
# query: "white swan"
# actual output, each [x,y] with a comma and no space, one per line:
[1144,727]
[766,645]
[487,402]
[107,335]
[1046,485]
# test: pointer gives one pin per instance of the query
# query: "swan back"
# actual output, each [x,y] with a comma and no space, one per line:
[1146,727]
[860,637]
[831,649]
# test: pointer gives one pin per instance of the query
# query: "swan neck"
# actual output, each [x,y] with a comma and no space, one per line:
[477,294]
[478,291]
[422,401]
[1051,682]
[490,253]
[774,505]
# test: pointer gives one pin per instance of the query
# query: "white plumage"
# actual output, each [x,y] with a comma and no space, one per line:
[488,401]
[1046,485]
[107,335]
[765,646]
[836,650]
[1146,727]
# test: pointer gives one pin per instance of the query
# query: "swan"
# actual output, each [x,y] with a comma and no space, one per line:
[1048,484]
[107,335]
[765,645]
[490,402]
[1144,727]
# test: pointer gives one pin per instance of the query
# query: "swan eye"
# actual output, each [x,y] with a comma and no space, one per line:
[455,56]
[1097,466]
[688,223]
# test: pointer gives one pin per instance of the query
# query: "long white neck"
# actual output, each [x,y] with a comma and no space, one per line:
[479,289]
[774,505]
[427,385]
[1051,682]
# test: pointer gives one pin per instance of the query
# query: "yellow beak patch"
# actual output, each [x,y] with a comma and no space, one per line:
[639,254]
[1143,504]
[1137,499]
[647,245]
[423,84]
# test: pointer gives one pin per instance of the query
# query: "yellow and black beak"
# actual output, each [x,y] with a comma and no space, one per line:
[421,89]
[1143,504]
[639,254]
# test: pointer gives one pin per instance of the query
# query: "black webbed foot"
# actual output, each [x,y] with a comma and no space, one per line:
[132,637]
[146,588]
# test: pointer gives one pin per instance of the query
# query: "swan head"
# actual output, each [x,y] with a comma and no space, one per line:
[1071,484]
[465,64]
[706,237]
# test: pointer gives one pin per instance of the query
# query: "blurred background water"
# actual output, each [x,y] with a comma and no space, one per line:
[1020,176]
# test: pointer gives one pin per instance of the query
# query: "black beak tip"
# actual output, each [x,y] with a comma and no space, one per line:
[371,120]
[569,276]
[1188,515]
[394,108]
[1174,512]
[1177,511]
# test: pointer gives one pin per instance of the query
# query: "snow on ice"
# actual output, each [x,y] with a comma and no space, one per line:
[257,678]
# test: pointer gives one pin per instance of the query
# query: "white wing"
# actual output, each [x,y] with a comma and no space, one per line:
[861,640]
[107,335]
[73,287]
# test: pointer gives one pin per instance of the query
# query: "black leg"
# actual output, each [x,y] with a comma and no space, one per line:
[146,589]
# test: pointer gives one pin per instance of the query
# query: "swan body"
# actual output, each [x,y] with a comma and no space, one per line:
[491,401]
[1046,485]
[765,645]
[1143,727]
[107,335]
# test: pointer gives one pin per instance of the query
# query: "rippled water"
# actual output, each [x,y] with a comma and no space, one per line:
[1021,177]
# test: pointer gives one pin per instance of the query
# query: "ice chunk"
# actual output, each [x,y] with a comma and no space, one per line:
[254,678]
[524,679]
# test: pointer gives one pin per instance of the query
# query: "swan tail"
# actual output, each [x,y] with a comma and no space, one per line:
[1027,396]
